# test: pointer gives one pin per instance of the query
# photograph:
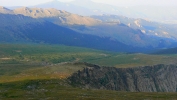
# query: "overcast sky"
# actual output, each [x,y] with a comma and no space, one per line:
[113,2]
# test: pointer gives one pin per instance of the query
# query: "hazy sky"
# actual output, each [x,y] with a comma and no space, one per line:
[114,2]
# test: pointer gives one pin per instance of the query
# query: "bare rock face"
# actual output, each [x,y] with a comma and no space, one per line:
[158,78]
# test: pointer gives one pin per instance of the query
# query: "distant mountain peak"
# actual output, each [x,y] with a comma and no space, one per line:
[1,7]
[55,1]
[81,1]
[25,8]
[5,10]
[38,12]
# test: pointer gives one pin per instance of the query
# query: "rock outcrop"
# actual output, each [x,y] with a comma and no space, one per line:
[158,78]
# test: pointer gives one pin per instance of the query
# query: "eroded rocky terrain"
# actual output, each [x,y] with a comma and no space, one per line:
[157,78]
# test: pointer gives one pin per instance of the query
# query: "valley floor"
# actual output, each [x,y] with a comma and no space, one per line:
[40,71]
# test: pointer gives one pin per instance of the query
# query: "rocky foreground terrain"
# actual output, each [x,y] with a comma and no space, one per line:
[157,78]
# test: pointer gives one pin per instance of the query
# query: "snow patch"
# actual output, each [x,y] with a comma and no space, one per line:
[166,33]
[137,23]
[143,31]
[129,24]
[156,34]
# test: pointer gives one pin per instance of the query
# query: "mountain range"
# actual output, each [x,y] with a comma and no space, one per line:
[58,17]
[166,14]
[31,23]
[146,26]
[48,52]
[19,28]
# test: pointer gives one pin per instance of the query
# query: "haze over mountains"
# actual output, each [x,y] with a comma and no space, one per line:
[146,26]
[120,30]
[88,25]
[60,50]
[18,28]
[165,14]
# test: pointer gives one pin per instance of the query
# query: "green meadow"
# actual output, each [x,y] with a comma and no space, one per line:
[33,71]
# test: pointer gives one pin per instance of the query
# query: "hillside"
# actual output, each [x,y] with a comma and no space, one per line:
[11,27]
[18,28]
[126,35]
[53,15]
[146,26]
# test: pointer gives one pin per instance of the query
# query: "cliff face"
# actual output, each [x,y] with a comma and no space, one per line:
[158,78]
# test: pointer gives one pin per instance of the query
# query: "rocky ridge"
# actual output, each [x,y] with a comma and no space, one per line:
[157,78]
[53,15]
[5,10]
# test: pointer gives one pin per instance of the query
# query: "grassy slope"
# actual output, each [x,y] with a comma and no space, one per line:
[57,54]
[25,65]
[167,51]
[17,59]
[59,90]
